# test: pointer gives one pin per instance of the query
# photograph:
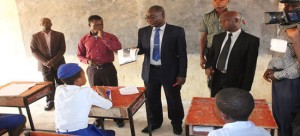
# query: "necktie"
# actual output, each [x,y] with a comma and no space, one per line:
[224,54]
[156,54]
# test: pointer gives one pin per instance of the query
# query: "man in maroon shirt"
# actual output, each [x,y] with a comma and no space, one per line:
[97,50]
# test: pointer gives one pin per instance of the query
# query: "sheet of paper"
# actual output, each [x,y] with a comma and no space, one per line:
[129,90]
[202,129]
[15,89]
[127,55]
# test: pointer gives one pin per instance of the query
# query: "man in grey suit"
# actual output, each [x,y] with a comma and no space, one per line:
[48,47]
[233,56]
[165,64]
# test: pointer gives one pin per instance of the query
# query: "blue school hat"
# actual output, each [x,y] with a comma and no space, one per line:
[67,70]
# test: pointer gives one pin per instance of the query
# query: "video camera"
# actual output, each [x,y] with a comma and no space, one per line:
[283,17]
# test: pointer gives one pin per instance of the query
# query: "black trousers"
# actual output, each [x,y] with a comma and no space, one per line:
[105,74]
[51,76]
[172,93]
[218,83]
[285,98]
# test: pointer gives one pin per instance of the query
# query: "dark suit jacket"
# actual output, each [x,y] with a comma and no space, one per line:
[242,59]
[39,49]
[173,52]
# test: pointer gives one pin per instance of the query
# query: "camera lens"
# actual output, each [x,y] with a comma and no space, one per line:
[275,18]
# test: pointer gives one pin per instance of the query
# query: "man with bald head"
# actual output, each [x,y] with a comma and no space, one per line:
[233,56]
[48,47]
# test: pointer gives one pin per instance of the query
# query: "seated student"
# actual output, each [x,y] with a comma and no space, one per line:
[235,106]
[14,123]
[73,103]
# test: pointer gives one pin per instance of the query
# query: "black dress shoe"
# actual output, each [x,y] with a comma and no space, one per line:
[120,122]
[49,106]
[177,130]
[145,130]
[98,121]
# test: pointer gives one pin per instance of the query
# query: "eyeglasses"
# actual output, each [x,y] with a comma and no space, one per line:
[151,17]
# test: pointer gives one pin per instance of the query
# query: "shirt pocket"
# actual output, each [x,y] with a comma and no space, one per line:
[213,27]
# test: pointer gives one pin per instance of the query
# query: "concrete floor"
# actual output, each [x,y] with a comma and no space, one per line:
[45,120]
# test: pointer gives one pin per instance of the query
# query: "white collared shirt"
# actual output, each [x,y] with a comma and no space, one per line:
[240,128]
[73,104]
[234,37]
[161,33]
[48,37]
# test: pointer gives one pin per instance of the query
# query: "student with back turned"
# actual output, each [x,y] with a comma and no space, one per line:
[234,107]
[73,103]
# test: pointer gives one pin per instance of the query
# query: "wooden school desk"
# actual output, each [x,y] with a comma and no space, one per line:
[124,106]
[23,100]
[202,113]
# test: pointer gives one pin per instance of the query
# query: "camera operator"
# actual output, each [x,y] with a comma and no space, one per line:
[283,70]
[293,32]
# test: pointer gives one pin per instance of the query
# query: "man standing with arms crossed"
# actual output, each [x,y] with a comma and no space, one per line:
[97,50]
[48,47]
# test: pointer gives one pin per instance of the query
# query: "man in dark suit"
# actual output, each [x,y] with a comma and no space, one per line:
[48,47]
[165,64]
[233,65]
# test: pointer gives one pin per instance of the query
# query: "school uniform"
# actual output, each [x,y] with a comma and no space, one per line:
[72,107]
[240,128]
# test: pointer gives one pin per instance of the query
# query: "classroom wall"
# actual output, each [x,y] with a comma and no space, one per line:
[124,17]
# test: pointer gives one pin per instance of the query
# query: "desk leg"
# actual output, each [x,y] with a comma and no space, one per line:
[272,132]
[101,122]
[131,123]
[20,110]
[29,116]
[187,130]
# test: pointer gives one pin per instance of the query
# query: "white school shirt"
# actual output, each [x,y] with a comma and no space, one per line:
[240,128]
[161,34]
[73,104]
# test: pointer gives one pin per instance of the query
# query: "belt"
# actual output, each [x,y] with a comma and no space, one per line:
[101,65]
[61,130]
[155,66]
